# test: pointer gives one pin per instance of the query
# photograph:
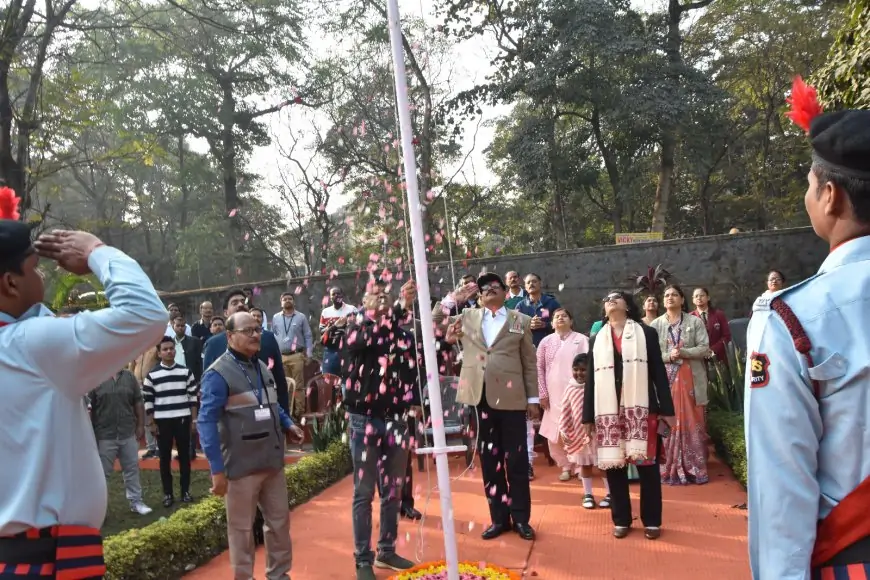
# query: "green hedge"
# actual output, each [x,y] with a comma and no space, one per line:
[169,548]
[726,430]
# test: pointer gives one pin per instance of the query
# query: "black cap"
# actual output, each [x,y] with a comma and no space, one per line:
[14,240]
[489,277]
[841,142]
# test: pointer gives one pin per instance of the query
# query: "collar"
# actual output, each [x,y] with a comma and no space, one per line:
[852,251]
[178,339]
[34,311]
[498,313]
[239,356]
[174,364]
[520,293]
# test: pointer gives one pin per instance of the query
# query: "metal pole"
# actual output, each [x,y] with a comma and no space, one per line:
[422,275]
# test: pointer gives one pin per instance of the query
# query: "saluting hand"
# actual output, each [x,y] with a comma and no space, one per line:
[70,250]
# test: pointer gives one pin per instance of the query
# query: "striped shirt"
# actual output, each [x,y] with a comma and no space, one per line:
[169,392]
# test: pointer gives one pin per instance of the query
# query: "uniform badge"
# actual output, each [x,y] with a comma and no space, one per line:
[759,370]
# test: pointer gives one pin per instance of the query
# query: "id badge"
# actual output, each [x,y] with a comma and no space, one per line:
[262,414]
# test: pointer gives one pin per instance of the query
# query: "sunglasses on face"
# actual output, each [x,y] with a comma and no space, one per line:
[612,298]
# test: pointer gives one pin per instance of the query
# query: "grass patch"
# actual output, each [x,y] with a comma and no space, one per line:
[168,548]
[119,518]
[726,430]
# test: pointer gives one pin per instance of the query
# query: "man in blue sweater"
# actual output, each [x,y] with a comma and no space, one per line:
[269,353]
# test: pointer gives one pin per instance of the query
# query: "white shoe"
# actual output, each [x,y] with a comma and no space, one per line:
[565,476]
[141,509]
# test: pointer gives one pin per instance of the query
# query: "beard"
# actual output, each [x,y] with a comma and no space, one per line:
[338,303]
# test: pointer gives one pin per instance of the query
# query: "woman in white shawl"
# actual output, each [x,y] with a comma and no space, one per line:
[627,406]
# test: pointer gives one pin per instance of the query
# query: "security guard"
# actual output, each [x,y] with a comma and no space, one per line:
[808,375]
[52,487]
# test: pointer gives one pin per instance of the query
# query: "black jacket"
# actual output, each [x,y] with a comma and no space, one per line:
[379,368]
[660,401]
[193,355]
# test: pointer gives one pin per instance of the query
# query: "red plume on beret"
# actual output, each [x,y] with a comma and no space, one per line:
[9,204]
[804,104]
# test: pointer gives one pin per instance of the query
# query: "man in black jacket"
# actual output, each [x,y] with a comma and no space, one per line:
[270,352]
[379,383]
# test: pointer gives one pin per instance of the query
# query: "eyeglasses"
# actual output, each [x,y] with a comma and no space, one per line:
[612,298]
[248,331]
[487,287]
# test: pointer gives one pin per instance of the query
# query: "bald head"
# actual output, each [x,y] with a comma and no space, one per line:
[243,334]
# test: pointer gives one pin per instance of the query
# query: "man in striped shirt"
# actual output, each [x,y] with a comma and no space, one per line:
[170,393]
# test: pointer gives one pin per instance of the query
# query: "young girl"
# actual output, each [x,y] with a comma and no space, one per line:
[581,450]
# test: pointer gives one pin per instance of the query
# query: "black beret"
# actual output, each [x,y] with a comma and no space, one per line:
[841,142]
[489,277]
[14,240]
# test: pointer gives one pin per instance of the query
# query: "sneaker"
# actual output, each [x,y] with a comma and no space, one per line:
[531,473]
[365,572]
[652,533]
[605,503]
[150,454]
[589,501]
[140,508]
[186,497]
[565,476]
[392,562]
[168,500]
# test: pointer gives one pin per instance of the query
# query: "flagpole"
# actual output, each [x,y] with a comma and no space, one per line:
[440,448]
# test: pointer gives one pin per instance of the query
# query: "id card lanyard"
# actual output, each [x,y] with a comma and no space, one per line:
[258,392]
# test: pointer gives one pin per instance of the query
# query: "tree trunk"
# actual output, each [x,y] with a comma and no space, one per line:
[17,16]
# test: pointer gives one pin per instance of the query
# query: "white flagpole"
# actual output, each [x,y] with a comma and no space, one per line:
[420,267]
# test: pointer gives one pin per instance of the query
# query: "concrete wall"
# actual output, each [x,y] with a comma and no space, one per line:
[733,268]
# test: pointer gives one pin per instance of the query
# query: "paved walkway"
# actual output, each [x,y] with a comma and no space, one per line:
[703,535]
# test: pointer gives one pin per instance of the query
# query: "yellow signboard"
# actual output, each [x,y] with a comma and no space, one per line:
[639,237]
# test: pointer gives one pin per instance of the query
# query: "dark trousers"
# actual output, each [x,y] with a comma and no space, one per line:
[650,496]
[408,488]
[176,431]
[504,461]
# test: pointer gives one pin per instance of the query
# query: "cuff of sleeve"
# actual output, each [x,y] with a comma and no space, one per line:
[534,401]
[100,256]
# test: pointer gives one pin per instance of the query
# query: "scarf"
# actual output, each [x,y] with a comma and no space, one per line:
[622,427]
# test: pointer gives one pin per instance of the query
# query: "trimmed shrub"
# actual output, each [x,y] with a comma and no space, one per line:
[171,547]
[726,430]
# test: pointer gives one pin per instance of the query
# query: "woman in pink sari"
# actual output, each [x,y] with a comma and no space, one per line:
[556,355]
[685,346]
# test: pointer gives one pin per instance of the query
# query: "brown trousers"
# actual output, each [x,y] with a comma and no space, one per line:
[268,489]
[294,368]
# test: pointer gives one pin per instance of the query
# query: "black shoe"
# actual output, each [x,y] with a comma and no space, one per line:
[531,473]
[524,531]
[393,562]
[494,531]
[365,572]
[186,497]
[168,500]
[150,454]
[410,513]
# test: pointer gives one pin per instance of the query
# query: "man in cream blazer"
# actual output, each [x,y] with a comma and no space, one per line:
[499,378]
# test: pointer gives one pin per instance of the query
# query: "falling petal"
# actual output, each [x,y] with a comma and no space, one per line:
[233,212]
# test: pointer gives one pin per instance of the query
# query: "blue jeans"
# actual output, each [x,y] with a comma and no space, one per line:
[331,362]
[380,456]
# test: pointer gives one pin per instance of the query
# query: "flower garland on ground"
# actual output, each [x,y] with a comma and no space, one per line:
[467,571]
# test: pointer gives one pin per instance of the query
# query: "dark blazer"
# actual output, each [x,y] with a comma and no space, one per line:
[270,353]
[660,401]
[718,331]
[193,355]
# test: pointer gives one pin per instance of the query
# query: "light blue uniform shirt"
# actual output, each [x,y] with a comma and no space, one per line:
[805,456]
[51,469]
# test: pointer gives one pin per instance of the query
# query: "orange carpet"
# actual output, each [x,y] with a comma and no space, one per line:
[703,535]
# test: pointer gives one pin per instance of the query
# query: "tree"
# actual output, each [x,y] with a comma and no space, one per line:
[844,82]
